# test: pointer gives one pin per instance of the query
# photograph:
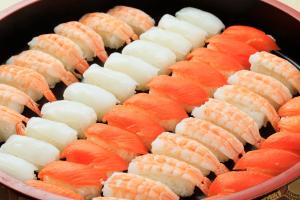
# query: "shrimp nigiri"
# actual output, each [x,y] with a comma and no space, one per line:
[86,38]
[27,80]
[186,93]
[290,108]
[126,144]
[134,120]
[114,31]
[137,19]
[86,152]
[230,118]
[51,68]
[168,112]
[62,48]
[16,99]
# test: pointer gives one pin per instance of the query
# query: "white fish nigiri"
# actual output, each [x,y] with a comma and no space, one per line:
[119,84]
[76,115]
[205,20]
[95,97]
[192,33]
[155,54]
[30,149]
[136,68]
[17,167]
[177,43]
[55,133]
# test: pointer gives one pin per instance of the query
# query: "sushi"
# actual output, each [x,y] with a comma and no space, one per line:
[76,115]
[222,143]
[130,186]
[167,111]
[290,108]
[174,41]
[189,151]
[95,97]
[184,92]
[152,53]
[205,20]
[35,151]
[124,143]
[192,33]
[55,133]
[107,198]
[17,167]
[290,124]
[179,176]
[136,68]
[119,84]
[51,68]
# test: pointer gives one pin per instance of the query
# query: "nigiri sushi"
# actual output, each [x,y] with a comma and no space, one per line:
[187,150]
[30,149]
[134,67]
[200,73]
[222,143]
[55,133]
[279,68]
[90,42]
[167,111]
[174,41]
[82,179]
[134,120]
[51,68]
[152,53]
[178,175]
[192,33]
[17,167]
[290,124]
[137,19]
[230,118]
[290,108]
[205,20]
[273,90]
[185,92]
[119,84]
[124,143]
[130,186]
[114,31]
[76,115]
[88,153]
[249,102]
[95,97]
[107,198]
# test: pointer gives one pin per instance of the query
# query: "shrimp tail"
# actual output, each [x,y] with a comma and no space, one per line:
[82,65]
[68,78]
[34,107]
[20,128]
[221,169]
[204,185]
[134,37]
[49,95]
[101,54]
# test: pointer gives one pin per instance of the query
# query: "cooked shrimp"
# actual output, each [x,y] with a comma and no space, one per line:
[16,99]
[11,123]
[137,19]
[130,186]
[114,31]
[290,124]
[50,67]
[251,103]
[187,150]
[219,141]
[87,39]
[290,108]
[168,171]
[230,118]
[27,80]
[62,48]
[279,68]
[107,198]
[273,90]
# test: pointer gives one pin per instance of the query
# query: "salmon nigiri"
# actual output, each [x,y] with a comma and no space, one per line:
[168,112]
[200,73]
[126,144]
[134,120]
[251,36]
[224,63]
[86,152]
[187,93]
[239,50]
[82,179]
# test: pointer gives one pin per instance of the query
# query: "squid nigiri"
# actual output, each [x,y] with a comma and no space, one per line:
[290,108]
